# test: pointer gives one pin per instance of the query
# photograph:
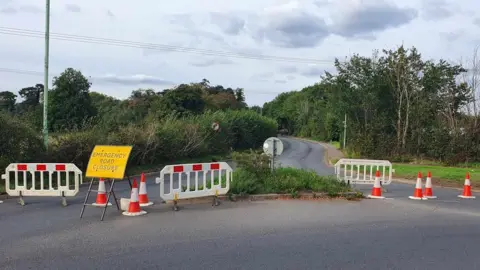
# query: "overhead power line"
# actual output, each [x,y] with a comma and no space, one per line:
[38,73]
[157,47]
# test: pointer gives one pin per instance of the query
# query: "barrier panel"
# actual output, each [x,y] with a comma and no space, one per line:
[362,171]
[187,181]
[42,179]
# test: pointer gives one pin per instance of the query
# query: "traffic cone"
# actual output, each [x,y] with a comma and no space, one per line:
[418,194]
[142,196]
[428,187]
[134,206]
[467,190]
[101,200]
[377,188]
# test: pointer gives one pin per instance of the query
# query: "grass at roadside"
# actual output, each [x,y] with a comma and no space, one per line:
[448,176]
[253,176]
[441,174]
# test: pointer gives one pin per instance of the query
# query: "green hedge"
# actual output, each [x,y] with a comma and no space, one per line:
[18,142]
[154,140]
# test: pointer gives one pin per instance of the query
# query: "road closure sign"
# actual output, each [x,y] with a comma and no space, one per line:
[108,161]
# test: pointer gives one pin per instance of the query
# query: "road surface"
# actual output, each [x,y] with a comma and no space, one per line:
[371,234]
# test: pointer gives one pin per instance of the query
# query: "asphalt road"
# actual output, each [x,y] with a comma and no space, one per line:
[372,234]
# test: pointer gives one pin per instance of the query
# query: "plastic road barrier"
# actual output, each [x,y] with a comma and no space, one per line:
[362,171]
[187,181]
[42,179]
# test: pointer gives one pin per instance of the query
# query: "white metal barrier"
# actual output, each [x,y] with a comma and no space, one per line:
[202,180]
[42,179]
[362,171]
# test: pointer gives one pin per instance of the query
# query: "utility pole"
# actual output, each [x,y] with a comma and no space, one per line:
[45,78]
[345,131]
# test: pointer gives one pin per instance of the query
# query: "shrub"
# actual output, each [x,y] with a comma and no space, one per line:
[253,176]
[18,142]
[169,139]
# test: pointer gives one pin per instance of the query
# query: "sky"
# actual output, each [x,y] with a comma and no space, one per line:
[264,46]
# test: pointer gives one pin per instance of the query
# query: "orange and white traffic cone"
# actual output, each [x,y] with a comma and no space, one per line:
[377,188]
[418,194]
[428,188]
[467,189]
[101,200]
[134,206]
[142,196]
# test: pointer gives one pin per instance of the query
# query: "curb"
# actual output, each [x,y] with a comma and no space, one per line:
[267,197]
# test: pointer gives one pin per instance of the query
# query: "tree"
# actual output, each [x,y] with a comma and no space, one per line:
[7,101]
[184,99]
[398,106]
[31,95]
[70,105]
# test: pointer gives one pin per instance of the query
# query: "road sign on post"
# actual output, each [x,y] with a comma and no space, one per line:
[273,147]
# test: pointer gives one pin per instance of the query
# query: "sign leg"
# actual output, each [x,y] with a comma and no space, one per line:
[86,197]
[114,195]
[108,199]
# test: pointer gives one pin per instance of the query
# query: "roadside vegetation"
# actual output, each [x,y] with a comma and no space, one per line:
[399,107]
[165,127]
[254,176]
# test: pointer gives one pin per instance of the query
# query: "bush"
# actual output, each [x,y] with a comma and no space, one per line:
[253,176]
[18,142]
[169,139]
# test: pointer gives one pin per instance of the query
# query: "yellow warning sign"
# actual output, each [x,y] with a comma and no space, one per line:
[108,161]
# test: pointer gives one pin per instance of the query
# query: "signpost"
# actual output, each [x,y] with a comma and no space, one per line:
[273,147]
[108,162]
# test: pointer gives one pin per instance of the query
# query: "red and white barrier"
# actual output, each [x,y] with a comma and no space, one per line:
[42,179]
[191,180]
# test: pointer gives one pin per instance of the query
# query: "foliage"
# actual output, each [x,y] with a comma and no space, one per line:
[69,101]
[162,126]
[397,105]
[18,142]
[253,176]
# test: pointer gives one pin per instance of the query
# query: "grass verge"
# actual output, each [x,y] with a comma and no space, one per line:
[446,176]
[253,176]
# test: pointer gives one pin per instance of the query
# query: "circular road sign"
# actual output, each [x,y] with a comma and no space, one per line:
[268,146]
[215,126]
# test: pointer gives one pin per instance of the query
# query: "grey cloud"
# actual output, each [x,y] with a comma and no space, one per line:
[73,8]
[370,19]
[452,36]
[281,81]
[312,71]
[294,30]
[476,21]
[322,3]
[290,77]
[110,14]
[288,69]
[436,10]
[131,80]
[26,8]
[182,19]
[212,62]
[8,10]
[231,25]
[262,77]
